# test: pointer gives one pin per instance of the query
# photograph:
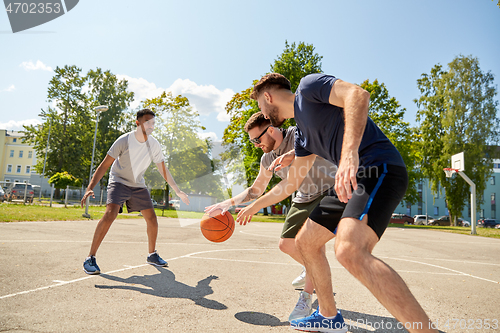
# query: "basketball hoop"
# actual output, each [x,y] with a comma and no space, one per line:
[449,172]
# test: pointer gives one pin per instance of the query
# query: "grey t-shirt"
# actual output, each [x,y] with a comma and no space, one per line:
[132,158]
[319,179]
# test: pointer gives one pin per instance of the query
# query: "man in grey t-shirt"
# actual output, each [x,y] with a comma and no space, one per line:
[275,143]
[129,157]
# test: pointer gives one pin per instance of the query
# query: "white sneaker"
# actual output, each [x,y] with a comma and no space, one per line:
[303,308]
[300,281]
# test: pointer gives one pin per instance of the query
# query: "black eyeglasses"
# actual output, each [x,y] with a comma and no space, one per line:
[257,139]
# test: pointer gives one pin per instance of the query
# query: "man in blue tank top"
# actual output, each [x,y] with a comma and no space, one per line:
[332,122]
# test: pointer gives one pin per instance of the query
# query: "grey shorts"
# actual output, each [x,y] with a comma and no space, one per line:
[136,198]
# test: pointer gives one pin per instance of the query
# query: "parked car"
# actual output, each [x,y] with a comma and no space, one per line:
[15,191]
[420,219]
[2,195]
[175,203]
[489,223]
[463,223]
[155,204]
[443,221]
[402,219]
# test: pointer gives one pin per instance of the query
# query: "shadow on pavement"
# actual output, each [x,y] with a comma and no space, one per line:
[165,285]
[259,318]
[361,322]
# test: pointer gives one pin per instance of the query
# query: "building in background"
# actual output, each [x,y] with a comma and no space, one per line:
[434,205]
[17,158]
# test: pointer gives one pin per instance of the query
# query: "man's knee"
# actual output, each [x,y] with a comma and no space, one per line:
[287,245]
[111,213]
[350,255]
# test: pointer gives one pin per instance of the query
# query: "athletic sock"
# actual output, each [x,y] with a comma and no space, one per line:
[151,253]
[328,317]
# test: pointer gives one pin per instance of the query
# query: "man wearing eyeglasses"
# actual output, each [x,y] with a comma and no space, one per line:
[332,122]
[276,142]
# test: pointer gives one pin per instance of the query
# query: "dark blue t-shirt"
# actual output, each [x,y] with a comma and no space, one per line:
[320,127]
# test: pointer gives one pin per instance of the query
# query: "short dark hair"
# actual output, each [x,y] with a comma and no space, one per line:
[270,81]
[144,112]
[256,120]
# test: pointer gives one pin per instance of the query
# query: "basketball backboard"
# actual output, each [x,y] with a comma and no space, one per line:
[458,161]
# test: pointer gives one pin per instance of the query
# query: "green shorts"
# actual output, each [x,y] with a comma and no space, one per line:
[298,214]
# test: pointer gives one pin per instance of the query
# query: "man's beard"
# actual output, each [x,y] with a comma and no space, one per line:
[266,148]
[274,116]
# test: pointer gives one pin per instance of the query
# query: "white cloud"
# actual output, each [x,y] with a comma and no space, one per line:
[18,125]
[210,135]
[30,66]
[204,99]
[142,89]
[10,88]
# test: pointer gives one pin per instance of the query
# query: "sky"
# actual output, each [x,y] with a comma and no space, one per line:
[209,50]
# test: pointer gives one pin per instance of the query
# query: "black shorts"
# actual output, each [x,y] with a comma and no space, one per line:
[380,190]
[136,198]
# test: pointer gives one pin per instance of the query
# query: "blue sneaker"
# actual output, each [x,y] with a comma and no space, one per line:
[155,259]
[90,266]
[318,323]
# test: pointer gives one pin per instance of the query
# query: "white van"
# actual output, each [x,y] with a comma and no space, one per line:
[420,220]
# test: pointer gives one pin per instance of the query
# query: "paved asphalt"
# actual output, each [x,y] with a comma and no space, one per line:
[241,285]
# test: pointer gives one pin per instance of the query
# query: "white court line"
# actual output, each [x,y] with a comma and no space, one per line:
[62,283]
[479,241]
[249,261]
[89,241]
[441,267]
[191,255]
[249,233]
[458,261]
[296,264]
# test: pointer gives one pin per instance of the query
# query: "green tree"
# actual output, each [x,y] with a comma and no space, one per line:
[64,179]
[457,112]
[388,114]
[295,62]
[65,89]
[70,125]
[186,154]
[72,122]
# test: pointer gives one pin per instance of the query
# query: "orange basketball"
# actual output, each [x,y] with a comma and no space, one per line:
[217,227]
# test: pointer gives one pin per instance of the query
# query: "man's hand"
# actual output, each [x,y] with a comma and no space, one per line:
[282,162]
[224,206]
[184,197]
[346,175]
[86,195]
[245,215]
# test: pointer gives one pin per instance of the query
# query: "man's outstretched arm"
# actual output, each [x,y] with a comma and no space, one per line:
[98,174]
[296,174]
[253,192]
[170,180]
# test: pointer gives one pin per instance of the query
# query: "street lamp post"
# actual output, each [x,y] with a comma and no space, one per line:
[97,109]
[44,160]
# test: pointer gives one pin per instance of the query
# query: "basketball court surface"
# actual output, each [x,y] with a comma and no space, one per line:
[241,285]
